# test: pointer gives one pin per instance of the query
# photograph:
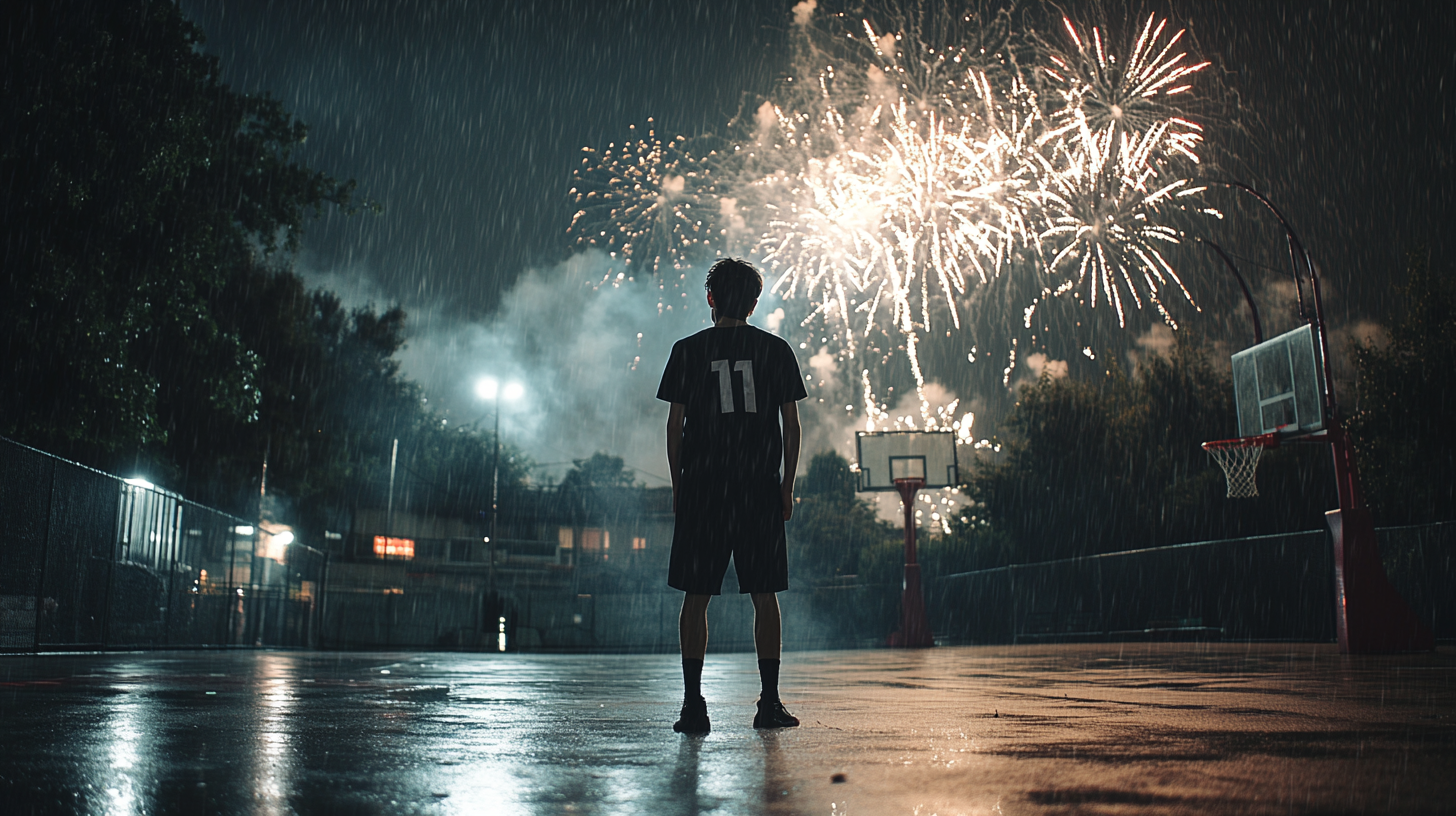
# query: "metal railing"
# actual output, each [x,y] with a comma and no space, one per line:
[94,561]
[1273,587]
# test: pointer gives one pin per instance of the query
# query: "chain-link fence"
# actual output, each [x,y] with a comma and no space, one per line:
[1276,587]
[93,561]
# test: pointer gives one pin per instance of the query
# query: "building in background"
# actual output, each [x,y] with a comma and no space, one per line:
[406,579]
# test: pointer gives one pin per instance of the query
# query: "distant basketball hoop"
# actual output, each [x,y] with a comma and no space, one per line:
[1239,459]
[889,457]
[907,462]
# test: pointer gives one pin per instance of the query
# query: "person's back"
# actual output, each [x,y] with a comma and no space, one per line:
[734,380]
[729,386]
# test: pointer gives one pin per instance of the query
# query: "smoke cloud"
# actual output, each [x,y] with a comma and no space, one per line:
[589,345]
[804,11]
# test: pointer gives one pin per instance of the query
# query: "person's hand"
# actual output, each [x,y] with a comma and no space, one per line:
[787,494]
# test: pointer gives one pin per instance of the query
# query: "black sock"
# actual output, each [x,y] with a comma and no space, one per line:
[768,671]
[692,678]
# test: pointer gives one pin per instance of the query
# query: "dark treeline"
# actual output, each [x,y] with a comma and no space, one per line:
[1405,402]
[149,322]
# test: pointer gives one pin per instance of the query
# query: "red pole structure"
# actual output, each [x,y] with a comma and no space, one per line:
[1371,617]
[914,624]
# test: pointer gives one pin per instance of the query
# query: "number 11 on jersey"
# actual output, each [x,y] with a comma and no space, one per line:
[725,385]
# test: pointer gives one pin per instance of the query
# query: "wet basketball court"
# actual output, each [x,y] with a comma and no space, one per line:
[1138,728]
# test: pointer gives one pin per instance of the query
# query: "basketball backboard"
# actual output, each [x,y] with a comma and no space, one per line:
[885,456]
[1277,386]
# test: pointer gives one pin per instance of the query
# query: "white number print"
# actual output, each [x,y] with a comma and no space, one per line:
[725,385]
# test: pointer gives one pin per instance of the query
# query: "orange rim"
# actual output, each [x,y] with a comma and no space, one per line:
[1268,440]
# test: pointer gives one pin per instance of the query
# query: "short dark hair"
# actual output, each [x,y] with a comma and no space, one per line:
[735,286]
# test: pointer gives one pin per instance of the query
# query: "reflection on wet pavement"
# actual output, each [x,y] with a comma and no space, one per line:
[1058,729]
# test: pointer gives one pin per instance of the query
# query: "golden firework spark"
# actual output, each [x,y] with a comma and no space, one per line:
[646,202]
[1133,95]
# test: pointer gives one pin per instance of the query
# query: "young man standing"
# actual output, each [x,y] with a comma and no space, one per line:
[728,386]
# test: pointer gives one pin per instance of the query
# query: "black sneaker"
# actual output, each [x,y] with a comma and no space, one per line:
[772,714]
[694,718]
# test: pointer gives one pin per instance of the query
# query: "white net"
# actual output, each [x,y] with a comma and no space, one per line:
[1239,462]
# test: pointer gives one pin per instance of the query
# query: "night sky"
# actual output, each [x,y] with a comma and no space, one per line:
[465,119]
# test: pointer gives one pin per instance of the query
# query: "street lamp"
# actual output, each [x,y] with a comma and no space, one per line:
[489,389]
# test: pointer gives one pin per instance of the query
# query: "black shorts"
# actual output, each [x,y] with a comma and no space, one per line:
[718,518]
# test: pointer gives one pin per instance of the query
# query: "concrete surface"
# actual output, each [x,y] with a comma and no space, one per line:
[1145,728]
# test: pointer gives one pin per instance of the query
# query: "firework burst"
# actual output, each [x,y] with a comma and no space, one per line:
[1137,94]
[905,180]
[1102,205]
[646,202]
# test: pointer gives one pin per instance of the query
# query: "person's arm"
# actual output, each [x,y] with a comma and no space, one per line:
[792,431]
[674,446]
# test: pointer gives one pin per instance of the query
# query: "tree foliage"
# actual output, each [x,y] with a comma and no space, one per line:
[601,469]
[136,182]
[1406,396]
[332,403]
[1090,467]
[831,524]
[147,316]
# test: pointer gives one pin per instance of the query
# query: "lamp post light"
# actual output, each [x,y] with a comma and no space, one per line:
[489,389]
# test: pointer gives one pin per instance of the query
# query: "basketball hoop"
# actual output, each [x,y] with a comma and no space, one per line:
[1239,459]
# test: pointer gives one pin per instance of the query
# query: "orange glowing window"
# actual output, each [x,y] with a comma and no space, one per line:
[594,540]
[639,543]
[387,547]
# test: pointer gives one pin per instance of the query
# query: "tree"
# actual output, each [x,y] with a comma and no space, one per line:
[147,315]
[136,184]
[831,526]
[1091,467]
[333,402]
[601,469]
[1405,442]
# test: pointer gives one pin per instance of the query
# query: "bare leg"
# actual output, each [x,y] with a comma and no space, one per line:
[692,626]
[767,626]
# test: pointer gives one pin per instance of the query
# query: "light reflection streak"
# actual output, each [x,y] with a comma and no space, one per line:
[484,712]
[126,745]
[275,755]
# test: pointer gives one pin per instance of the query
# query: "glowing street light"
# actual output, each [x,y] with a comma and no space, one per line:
[486,388]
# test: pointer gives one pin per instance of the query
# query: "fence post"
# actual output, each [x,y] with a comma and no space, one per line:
[323,600]
[178,535]
[232,591]
[45,554]
[123,525]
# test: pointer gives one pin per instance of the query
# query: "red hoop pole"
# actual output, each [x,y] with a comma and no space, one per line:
[1371,617]
[914,629]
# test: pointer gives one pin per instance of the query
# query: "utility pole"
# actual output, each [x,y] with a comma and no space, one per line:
[389,508]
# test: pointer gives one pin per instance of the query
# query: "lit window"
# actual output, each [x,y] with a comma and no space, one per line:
[639,543]
[563,537]
[386,547]
[593,539]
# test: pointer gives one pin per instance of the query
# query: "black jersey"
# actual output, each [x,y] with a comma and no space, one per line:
[732,380]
